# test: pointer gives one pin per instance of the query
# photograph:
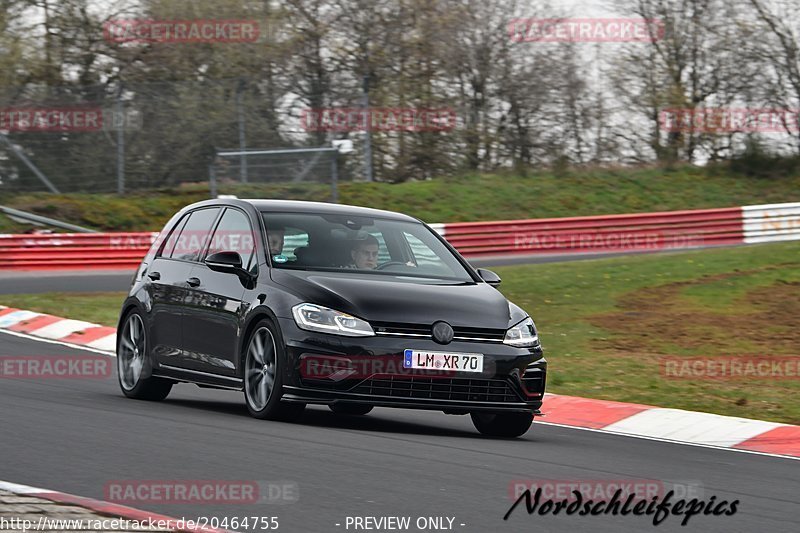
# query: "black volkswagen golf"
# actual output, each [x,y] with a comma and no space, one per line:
[300,303]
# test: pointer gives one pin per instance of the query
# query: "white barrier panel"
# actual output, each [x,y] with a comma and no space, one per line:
[439,228]
[771,222]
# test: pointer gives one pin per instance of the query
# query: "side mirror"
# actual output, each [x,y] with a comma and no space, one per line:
[489,277]
[225,262]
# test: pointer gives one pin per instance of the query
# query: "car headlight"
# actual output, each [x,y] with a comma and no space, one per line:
[317,318]
[523,335]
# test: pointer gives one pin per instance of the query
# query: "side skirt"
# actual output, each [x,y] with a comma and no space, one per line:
[201,379]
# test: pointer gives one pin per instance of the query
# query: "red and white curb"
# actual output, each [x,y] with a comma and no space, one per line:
[54,328]
[673,425]
[100,507]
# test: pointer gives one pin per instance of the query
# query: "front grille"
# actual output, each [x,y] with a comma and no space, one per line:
[460,389]
[482,334]
[386,328]
[424,330]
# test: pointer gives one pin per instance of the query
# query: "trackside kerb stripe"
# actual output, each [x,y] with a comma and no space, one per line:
[7,310]
[674,425]
[89,335]
[32,324]
[784,440]
[58,328]
[582,412]
[690,426]
[100,507]
[107,343]
[62,328]
[14,317]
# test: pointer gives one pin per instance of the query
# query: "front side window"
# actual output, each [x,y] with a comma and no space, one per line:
[234,234]
[360,244]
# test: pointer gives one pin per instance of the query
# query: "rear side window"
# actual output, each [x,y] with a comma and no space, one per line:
[295,239]
[169,243]
[195,233]
[234,234]
[383,250]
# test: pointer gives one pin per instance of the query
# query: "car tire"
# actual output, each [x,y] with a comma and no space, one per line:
[502,424]
[350,408]
[264,358]
[134,367]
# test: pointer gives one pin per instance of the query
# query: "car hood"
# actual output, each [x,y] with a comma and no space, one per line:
[400,299]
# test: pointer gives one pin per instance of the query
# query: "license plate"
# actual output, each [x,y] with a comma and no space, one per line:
[461,362]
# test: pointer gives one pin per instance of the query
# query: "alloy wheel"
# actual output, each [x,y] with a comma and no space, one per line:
[260,369]
[130,358]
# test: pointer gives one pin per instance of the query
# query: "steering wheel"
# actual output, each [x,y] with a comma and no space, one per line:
[388,264]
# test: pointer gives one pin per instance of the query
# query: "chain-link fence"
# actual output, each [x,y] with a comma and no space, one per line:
[276,166]
[121,138]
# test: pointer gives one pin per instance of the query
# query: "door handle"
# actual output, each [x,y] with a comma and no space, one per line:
[193,282]
[154,276]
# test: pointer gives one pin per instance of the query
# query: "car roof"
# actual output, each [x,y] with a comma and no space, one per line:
[297,206]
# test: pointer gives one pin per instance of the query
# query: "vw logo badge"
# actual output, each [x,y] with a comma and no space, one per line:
[442,332]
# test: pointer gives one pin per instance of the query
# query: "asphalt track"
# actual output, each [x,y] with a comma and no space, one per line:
[77,436]
[28,282]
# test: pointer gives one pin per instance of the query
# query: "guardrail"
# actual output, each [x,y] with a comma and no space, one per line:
[612,233]
[78,251]
[669,230]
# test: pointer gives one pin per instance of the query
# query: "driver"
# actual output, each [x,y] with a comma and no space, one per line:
[275,239]
[365,253]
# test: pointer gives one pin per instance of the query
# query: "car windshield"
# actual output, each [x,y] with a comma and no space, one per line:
[378,246]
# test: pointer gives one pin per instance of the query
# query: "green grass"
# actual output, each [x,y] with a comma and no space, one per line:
[97,307]
[461,198]
[606,323]
[10,226]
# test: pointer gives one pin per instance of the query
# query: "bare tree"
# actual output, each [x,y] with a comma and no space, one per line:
[696,64]
[776,44]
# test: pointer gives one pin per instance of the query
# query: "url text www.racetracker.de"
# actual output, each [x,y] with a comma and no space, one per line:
[660,508]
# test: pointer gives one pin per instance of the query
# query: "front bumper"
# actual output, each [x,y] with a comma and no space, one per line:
[328,369]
